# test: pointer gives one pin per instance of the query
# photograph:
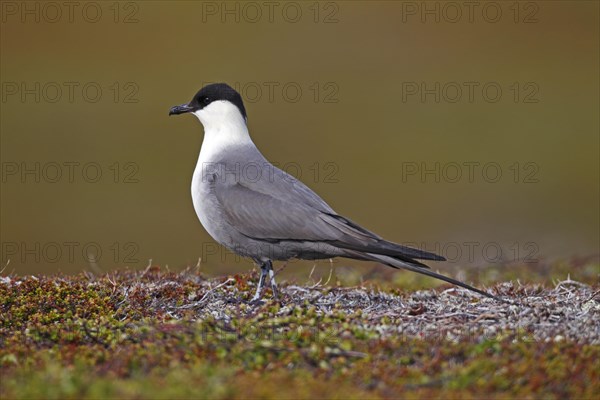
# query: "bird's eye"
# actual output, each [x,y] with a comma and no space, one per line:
[205,100]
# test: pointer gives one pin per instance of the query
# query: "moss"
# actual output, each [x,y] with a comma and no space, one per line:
[157,334]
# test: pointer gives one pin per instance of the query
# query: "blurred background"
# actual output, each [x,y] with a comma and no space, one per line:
[468,130]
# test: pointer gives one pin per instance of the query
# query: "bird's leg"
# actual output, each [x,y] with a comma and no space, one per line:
[261,282]
[272,280]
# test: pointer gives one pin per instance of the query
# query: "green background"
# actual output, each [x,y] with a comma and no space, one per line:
[361,56]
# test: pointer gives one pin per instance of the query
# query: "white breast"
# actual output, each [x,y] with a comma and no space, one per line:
[225,131]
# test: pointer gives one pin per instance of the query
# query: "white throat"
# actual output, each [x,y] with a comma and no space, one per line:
[224,128]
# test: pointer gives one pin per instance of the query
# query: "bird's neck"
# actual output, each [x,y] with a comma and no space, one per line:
[219,136]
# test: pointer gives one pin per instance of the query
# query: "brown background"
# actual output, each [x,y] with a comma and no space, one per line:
[360,133]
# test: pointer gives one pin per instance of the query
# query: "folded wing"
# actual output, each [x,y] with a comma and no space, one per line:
[287,210]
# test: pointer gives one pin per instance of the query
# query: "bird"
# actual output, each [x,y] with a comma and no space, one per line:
[258,211]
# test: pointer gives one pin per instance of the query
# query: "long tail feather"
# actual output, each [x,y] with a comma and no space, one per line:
[398,264]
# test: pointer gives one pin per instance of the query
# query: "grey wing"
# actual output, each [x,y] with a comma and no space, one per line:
[275,211]
[283,209]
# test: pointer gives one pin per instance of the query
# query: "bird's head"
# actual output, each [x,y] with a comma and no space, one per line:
[214,104]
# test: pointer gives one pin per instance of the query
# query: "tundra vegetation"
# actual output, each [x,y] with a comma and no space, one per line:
[160,334]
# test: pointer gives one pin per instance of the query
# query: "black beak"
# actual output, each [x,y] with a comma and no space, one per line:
[182,109]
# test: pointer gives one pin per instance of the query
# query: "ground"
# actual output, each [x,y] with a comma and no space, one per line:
[161,334]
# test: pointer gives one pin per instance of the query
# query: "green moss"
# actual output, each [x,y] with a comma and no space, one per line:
[140,335]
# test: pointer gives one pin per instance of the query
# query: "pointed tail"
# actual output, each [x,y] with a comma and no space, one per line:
[418,268]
